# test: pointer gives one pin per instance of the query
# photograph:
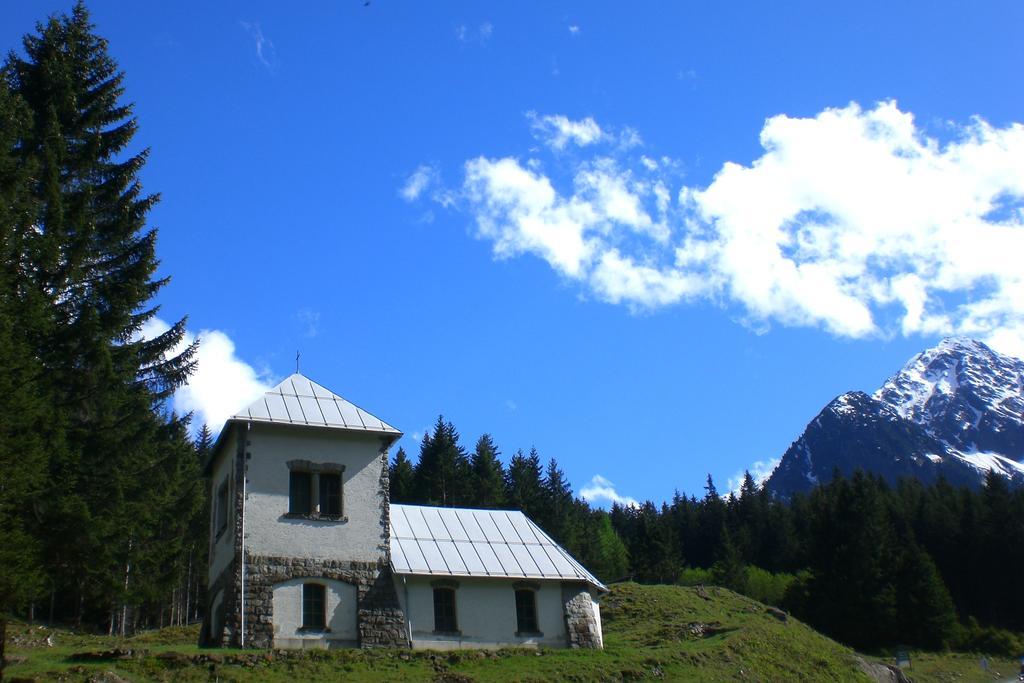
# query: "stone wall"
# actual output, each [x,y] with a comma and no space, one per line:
[380,620]
[217,614]
[581,627]
[233,595]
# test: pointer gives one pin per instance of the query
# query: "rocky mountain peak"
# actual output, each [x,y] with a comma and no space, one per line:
[956,409]
[965,394]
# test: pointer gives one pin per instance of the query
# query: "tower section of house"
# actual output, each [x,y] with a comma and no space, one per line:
[300,547]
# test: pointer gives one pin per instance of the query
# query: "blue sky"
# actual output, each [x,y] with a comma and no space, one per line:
[652,241]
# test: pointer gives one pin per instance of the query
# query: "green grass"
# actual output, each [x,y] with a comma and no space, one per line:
[650,634]
[957,666]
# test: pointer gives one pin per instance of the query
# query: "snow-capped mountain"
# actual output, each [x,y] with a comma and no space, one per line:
[956,410]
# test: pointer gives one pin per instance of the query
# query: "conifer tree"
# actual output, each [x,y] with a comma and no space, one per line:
[442,474]
[24,411]
[488,475]
[855,561]
[710,525]
[94,254]
[523,483]
[926,614]
[729,570]
[557,505]
[203,442]
[92,264]
[401,478]
[607,556]
[652,546]
[999,537]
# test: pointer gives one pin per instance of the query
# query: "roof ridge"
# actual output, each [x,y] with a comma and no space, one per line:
[310,409]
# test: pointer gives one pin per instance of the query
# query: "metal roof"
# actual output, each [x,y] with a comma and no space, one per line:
[438,541]
[299,400]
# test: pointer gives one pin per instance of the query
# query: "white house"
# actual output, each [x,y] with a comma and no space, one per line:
[307,551]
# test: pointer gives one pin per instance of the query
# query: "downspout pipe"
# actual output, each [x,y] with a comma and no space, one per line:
[408,620]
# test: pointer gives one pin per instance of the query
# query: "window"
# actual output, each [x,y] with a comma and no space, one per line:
[444,610]
[313,607]
[315,490]
[300,493]
[526,611]
[221,511]
[330,494]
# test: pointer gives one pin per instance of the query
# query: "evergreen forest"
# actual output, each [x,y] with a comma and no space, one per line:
[103,508]
[868,564]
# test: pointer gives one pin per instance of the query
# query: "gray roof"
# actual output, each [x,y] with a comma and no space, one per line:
[461,542]
[299,400]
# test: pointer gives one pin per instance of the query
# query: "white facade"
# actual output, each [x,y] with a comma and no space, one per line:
[340,612]
[269,528]
[222,531]
[485,614]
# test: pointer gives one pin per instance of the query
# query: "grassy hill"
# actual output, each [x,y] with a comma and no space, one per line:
[651,633]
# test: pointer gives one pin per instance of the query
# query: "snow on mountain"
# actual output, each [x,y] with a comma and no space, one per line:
[956,409]
[965,394]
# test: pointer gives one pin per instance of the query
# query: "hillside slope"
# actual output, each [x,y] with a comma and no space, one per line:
[656,633]
[651,633]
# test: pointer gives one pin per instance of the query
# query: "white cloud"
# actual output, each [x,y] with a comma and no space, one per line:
[418,435]
[557,130]
[310,319]
[482,34]
[688,76]
[629,138]
[853,220]
[760,471]
[265,51]
[418,181]
[600,491]
[574,29]
[426,181]
[520,211]
[617,278]
[222,383]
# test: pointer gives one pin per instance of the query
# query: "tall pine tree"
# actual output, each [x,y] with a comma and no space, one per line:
[442,474]
[488,475]
[93,266]
[557,508]
[24,410]
[523,483]
[401,477]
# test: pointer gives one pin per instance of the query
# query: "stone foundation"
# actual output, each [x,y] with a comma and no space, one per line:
[581,628]
[218,614]
[380,620]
